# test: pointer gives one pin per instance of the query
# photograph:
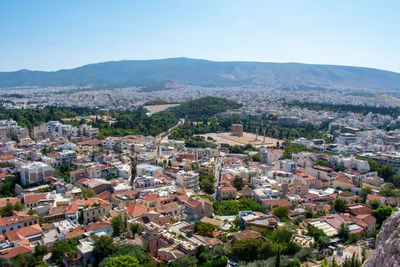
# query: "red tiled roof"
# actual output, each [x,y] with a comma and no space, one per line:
[14,252]
[23,232]
[12,200]
[105,195]
[228,188]
[247,234]
[194,203]
[74,233]
[367,218]
[277,202]
[135,210]
[182,198]
[9,221]
[4,175]
[34,198]
[96,226]
[374,197]
[344,179]
[150,197]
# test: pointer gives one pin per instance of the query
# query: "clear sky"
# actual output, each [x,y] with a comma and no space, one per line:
[49,35]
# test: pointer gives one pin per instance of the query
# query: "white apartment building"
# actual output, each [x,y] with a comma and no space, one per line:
[36,172]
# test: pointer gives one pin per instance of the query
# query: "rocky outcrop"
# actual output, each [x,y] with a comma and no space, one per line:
[387,253]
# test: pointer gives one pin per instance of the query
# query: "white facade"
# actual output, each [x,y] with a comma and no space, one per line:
[36,172]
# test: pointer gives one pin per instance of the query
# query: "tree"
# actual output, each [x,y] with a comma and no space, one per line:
[340,205]
[238,182]
[32,211]
[59,248]
[396,179]
[321,163]
[4,262]
[189,261]
[281,212]
[122,261]
[87,193]
[7,210]
[134,227]
[252,249]
[207,184]
[117,225]
[132,250]
[40,251]
[382,213]
[205,229]
[344,232]
[18,206]
[323,242]
[386,172]
[103,247]
[256,158]
[374,204]
[364,192]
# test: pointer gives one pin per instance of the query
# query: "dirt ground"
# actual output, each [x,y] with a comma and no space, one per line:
[157,108]
[247,138]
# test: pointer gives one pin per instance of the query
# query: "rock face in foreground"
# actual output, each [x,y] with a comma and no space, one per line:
[387,253]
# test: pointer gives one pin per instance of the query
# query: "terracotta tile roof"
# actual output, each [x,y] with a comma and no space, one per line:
[93,142]
[150,197]
[358,209]
[194,203]
[82,180]
[275,151]
[247,234]
[57,210]
[127,192]
[227,188]
[105,195]
[322,168]
[135,210]
[23,232]
[4,175]
[96,226]
[14,252]
[34,198]
[182,198]
[9,221]
[277,202]
[367,218]
[12,200]
[344,179]
[374,197]
[74,233]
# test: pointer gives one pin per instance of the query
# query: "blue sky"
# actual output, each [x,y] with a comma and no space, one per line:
[50,35]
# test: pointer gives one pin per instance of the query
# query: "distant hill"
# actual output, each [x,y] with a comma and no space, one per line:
[206,73]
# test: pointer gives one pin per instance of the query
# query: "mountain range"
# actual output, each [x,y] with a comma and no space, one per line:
[206,73]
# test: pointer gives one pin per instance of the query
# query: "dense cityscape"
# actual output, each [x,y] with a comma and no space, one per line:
[238,182]
[204,133]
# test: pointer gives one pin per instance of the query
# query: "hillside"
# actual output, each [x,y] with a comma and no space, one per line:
[387,244]
[206,73]
[204,108]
